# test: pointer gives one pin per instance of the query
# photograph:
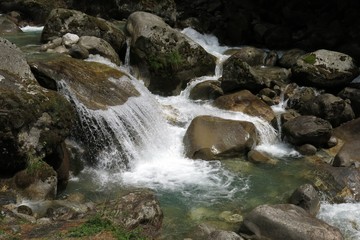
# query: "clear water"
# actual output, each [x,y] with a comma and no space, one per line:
[192,191]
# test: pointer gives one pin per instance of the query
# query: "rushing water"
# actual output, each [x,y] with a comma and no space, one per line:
[190,191]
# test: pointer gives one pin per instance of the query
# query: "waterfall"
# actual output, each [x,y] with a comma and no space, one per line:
[127,54]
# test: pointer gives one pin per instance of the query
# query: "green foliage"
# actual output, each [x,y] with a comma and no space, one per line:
[34,164]
[97,224]
[310,58]
[170,60]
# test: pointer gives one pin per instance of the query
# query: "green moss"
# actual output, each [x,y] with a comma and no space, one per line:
[170,60]
[98,224]
[310,58]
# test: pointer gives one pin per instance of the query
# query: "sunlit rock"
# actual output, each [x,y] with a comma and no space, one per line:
[287,221]
[211,137]
[324,68]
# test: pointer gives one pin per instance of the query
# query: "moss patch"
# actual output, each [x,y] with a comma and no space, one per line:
[309,58]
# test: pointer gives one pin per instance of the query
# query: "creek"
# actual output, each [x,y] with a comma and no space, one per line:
[150,130]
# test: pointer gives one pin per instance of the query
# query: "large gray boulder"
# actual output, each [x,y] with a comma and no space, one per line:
[287,221]
[244,101]
[166,57]
[238,74]
[325,69]
[34,122]
[307,129]
[62,21]
[329,107]
[210,138]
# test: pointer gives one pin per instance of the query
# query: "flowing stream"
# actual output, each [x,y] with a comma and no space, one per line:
[150,130]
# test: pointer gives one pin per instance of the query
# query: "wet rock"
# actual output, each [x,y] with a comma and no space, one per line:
[256,156]
[306,149]
[307,198]
[329,107]
[7,197]
[166,57]
[237,75]
[244,101]
[211,138]
[307,130]
[352,94]
[24,210]
[301,96]
[349,153]
[325,69]
[289,58]
[62,21]
[205,232]
[287,221]
[206,90]
[99,46]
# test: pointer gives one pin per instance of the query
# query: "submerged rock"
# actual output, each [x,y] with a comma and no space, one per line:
[211,138]
[326,69]
[165,57]
[287,221]
[244,101]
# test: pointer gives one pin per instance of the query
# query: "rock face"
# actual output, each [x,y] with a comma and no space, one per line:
[237,74]
[287,221]
[324,68]
[307,129]
[244,101]
[211,138]
[62,21]
[33,121]
[349,154]
[165,56]
[329,107]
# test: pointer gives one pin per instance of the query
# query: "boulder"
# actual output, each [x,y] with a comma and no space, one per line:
[301,96]
[329,107]
[79,52]
[255,56]
[349,153]
[167,58]
[206,90]
[307,129]
[211,138]
[33,121]
[238,74]
[99,46]
[7,26]
[287,221]
[245,102]
[62,21]
[325,69]
[307,198]
[352,94]
[138,209]
[289,58]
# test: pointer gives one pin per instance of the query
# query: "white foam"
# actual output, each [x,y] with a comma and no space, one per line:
[345,216]
[32,28]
